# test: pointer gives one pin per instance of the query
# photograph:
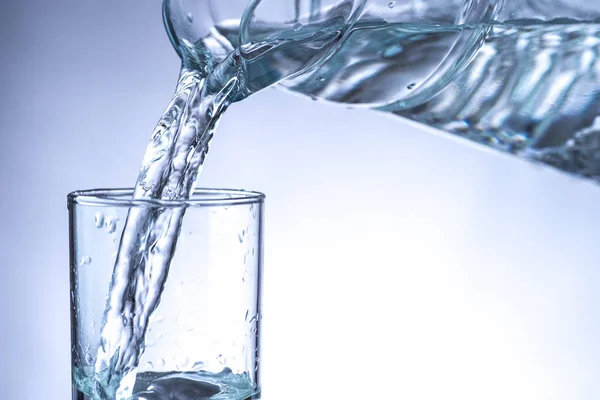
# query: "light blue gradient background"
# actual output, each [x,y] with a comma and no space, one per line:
[392,252]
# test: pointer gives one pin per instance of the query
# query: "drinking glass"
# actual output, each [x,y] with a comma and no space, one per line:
[203,339]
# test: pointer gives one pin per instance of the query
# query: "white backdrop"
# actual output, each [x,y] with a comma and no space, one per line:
[400,263]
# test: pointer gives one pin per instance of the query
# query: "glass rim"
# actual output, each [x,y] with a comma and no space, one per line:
[201,197]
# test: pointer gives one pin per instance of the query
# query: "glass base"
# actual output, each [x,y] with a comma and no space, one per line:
[78,395]
[180,386]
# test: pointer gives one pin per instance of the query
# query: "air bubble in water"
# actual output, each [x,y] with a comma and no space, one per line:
[297,27]
[391,4]
[411,86]
[321,79]
[88,358]
[85,260]
[190,18]
[99,220]
[392,51]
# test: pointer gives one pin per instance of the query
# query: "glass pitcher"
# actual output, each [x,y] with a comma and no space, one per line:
[522,77]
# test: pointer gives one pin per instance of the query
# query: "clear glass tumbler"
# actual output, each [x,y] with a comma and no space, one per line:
[203,339]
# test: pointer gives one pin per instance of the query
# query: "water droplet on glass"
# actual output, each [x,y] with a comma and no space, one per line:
[241,236]
[221,359]
[297,27]
[245,258]
[111,225]
[198,365]
[162,362]
[253,251]
[391,4]
[88,358]
[149,365]
[99,220]
[158,319]
[85,260]
[190,18]
[246,317]
[411,86]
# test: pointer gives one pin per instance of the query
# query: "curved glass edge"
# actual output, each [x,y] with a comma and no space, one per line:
[200,198]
